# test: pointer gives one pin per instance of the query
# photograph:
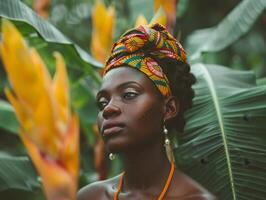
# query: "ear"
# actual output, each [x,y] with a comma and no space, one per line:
[171,107]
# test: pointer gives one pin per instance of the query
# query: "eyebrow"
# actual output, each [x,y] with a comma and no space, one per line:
[122,85]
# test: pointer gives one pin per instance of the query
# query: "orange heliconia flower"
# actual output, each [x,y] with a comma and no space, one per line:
[47,128]
[141,20]
[103,20]
[42,8]
[159,17]
[169,7]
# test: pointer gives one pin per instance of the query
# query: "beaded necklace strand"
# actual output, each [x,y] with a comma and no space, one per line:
[165,188]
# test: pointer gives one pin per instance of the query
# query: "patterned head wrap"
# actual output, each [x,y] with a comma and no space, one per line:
[137,48]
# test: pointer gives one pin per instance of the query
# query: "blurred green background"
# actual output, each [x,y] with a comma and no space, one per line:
[229,33]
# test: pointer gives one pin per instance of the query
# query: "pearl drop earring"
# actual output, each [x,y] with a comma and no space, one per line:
[168,147]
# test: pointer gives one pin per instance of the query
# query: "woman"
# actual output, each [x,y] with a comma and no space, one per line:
[145,91]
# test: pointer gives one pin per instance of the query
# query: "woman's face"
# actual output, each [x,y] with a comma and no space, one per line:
[130,111]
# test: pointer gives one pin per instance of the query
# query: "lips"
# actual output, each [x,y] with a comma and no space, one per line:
[111,128]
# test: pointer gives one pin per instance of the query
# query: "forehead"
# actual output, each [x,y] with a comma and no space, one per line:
[121,75]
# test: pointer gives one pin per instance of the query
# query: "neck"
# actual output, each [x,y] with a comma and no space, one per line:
[146,169]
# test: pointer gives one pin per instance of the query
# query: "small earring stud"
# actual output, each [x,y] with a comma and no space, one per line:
[111,156]
[165,130]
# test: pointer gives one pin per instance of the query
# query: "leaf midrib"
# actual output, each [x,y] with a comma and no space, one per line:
[211,86]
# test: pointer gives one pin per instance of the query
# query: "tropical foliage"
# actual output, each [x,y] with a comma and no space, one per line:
[231,147]
[224,142]
[48,130]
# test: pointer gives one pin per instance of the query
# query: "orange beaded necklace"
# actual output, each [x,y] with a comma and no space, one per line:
[165,188]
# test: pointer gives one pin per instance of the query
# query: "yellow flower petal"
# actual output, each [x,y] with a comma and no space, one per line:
[21,115]
[141,20]
[32,86]
[159,17]
[57,182]
[42,7]
[17,58]
[169,7]
[60,89]
[70,150]
[49,133]
[102,30]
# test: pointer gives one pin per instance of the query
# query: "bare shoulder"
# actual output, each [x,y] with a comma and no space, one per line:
[187,188]
[98,190]
[91,191]
[204,196]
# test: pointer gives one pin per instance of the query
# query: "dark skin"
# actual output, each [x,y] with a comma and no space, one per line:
[131,117]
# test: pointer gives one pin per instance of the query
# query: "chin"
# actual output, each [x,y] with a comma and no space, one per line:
[117,145]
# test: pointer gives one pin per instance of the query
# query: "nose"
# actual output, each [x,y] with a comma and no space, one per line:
[111,110]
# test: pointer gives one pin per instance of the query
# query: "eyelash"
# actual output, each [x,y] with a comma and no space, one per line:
[101,104]
[126,96]
[130,95]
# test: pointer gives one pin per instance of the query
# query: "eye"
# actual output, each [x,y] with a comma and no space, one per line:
[101,103]
[130,95]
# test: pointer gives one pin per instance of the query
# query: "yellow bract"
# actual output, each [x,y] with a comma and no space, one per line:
[141,20]
[159,17]
[48,130]
[103,20]
[169,7]
[42,7]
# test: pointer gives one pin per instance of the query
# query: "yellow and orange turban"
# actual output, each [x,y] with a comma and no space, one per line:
[137,48]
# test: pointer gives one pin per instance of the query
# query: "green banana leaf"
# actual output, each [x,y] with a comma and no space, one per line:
[224,144]
[17,173]
[17,11]
[7,117]
[231,28]
[261,81]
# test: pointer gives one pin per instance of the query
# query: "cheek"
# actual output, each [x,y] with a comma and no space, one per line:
[149,115]
[150,119]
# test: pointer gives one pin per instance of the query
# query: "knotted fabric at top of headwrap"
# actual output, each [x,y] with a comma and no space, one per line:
[137,47]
